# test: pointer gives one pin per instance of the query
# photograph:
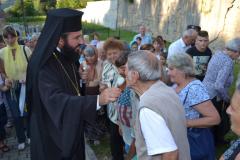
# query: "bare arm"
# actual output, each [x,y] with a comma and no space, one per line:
[236,158]
[4,88]
[166,156]
[221,158]
[209,114]
[132,151]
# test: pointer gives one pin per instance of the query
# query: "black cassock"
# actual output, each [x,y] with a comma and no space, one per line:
[58,115]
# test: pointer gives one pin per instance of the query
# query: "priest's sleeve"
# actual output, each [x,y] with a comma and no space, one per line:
[67,112]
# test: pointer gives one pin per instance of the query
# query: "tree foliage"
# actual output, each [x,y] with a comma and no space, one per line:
[31,7]
[40,7]
[71,4]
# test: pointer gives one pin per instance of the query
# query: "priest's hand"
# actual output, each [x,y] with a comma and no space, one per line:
[109,95]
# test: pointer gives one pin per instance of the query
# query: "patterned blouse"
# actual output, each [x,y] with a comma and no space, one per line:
[193,94]
[109,77]
[219,75]
[232,152]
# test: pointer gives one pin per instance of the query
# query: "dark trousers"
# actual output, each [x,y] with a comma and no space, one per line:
[223,128]
[116,142]
[16,115]
[3,121]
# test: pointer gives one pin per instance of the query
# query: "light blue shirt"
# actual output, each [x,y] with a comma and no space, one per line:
[146,39]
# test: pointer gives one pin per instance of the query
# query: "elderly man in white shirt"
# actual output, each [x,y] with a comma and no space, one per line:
[184,43]
[145,38]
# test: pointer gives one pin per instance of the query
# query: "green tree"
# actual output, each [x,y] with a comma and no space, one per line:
[16,9]
[71,4]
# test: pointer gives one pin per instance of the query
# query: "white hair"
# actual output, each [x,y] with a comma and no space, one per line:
[183,62]
[146,64]
[189,32]
[233,45]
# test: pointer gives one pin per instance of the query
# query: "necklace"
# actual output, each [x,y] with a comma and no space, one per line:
[75,86]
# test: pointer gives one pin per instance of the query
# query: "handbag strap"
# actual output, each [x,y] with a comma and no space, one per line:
[184,101]
[24,51]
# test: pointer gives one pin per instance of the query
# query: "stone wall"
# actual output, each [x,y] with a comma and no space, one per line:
[221,18]
[101,12]
[169,18]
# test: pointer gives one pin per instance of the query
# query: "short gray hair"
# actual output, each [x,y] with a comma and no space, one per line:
[90,50]
[189,32]
[233,45]
[146,64]
[183,62]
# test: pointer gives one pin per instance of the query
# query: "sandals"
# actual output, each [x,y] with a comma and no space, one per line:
[4,148]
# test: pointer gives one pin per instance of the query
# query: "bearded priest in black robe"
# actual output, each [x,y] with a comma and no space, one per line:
[58,111]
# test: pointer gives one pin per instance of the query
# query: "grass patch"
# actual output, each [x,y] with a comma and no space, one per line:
[102,151]
[235,72]
[89,28]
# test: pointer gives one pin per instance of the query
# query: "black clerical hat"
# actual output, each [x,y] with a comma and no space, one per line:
[71,19]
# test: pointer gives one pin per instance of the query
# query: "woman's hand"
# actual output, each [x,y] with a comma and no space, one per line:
[8,82]
[83,73]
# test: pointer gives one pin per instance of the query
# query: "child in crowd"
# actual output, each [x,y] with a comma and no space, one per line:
[165,77]
[96,39]
[139,40]
[158,45]
[134,46]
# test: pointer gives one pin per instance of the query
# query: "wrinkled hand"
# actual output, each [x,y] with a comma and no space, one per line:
[109,95]
[8,83]
[102,87]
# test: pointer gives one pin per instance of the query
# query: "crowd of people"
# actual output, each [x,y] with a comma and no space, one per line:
[155,101]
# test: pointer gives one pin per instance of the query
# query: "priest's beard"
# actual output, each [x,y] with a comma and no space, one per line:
[70,53]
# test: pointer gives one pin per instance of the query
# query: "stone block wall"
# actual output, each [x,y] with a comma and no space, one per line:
[169,18]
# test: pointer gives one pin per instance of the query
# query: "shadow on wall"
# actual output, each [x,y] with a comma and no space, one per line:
[177,16]
[168,18]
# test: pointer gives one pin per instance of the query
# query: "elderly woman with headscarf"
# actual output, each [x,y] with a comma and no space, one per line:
[233,152]
[199,110]
[160,126]
[218,79]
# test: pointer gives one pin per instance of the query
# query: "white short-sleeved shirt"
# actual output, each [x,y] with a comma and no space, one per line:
[157,135]
[177,47]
